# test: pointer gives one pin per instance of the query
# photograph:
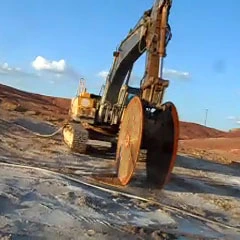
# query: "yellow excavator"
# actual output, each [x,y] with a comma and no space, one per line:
[137,117]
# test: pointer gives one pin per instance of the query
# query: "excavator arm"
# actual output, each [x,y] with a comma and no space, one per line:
[151,34]
[130,49]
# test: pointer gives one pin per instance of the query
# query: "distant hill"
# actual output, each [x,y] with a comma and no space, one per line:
[16,95]
[47,107]
[57,108]
[234,132]
[190,130]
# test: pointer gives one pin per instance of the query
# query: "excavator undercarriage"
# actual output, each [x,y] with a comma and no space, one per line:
[134,119]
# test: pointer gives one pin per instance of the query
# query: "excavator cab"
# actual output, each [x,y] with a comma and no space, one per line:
[126,93]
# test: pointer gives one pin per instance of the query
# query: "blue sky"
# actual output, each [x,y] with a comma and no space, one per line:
[45,46]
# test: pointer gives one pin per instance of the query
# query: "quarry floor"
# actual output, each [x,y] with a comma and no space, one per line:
[200,202]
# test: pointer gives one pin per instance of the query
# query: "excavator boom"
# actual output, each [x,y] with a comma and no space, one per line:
[130,49]
[152,34]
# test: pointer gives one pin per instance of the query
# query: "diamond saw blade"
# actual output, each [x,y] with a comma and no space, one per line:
[129,140]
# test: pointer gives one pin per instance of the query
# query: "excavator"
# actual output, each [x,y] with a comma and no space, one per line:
[136,117]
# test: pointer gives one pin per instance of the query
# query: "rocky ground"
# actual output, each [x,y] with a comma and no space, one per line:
[200,202]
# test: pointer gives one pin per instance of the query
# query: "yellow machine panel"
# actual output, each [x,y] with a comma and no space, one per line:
[83,107]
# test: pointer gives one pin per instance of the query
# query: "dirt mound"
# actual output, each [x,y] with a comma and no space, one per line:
[56,109]
[193,130]
[233,133]
[224,150]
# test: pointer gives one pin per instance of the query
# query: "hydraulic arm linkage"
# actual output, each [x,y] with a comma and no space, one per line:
[147,122]
[158,36]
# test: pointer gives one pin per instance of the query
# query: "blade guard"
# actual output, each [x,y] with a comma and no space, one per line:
[161,136]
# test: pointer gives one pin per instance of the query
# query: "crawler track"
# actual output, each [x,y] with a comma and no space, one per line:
[76,137]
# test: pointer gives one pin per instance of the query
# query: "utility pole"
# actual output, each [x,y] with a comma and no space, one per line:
[205,122]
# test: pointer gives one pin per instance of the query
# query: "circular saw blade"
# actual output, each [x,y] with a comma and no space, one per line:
[129,140]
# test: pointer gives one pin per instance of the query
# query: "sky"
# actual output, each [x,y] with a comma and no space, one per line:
[46,46]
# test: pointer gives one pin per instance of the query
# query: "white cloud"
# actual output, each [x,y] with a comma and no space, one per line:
[231,118]
[172,73]
[235,119]
[42,64]
[6,69]
[15,72]
[58,75]
[103,74]
[58,67]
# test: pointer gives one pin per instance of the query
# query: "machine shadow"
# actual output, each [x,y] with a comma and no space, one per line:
[101,152]
[206,165]
[37,127]
[192,183]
